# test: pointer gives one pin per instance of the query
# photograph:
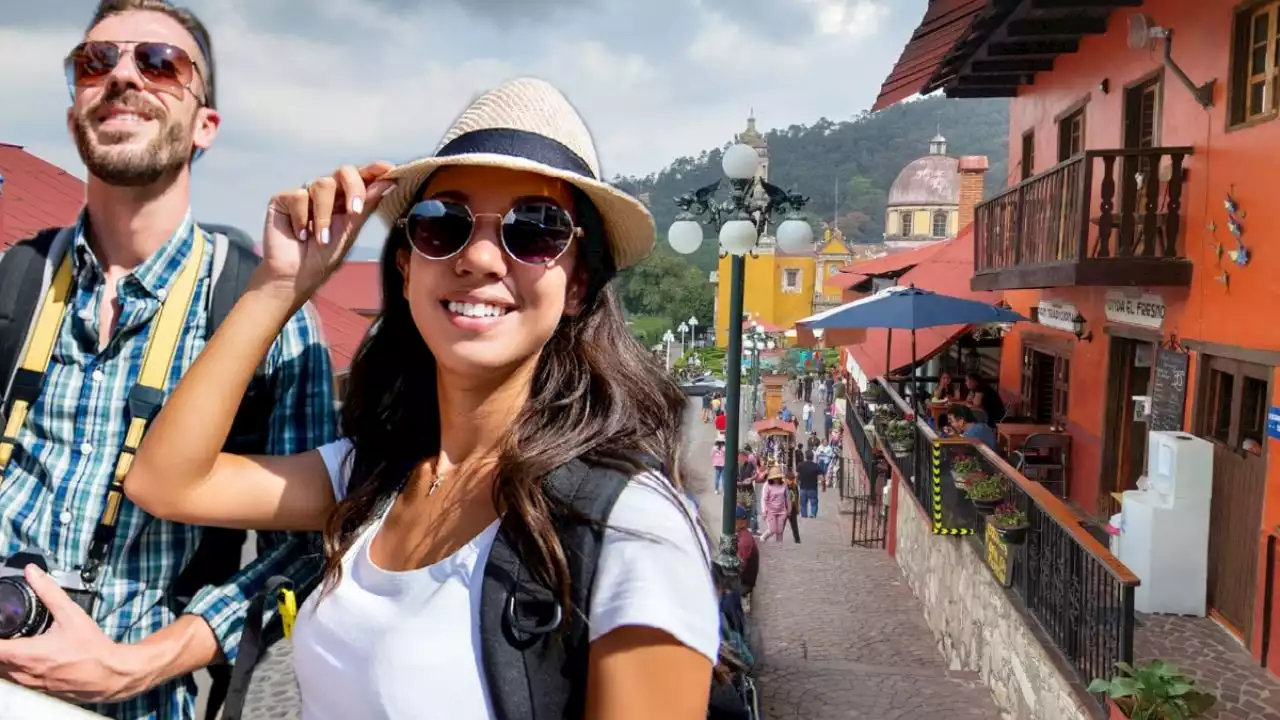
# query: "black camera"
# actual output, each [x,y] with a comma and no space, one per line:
[22,614]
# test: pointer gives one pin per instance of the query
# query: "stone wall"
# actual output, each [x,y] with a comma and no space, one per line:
[977,625]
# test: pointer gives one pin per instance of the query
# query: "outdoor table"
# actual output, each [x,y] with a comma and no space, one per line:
[939,409]
[1010,436]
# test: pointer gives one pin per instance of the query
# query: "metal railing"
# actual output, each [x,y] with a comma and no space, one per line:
[1078,592]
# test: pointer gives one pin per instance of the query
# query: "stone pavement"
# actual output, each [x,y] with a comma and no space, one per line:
[1217,661]
[842,635]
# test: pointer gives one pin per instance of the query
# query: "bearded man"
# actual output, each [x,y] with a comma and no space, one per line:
[126,639]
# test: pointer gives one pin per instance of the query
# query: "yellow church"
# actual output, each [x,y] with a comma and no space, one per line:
[780,288]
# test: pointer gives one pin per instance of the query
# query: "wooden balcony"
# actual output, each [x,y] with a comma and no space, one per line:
[1104,218]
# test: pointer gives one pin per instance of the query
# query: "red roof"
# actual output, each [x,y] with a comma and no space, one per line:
[343,331]
[762,426]
[356,286]
[894,261]
[845,280]
[947,272]
[945,24]
[35,195]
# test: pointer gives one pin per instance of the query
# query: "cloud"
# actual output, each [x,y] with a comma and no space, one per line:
[307,84]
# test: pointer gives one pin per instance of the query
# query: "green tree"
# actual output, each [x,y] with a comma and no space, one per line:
[665,286]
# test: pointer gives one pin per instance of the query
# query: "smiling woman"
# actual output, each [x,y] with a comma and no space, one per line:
[499,421]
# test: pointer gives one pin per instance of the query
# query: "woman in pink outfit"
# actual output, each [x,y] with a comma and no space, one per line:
[775,502]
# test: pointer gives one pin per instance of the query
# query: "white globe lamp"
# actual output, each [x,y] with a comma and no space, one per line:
[737,237]
[740,162]
[795,236]
[685,236]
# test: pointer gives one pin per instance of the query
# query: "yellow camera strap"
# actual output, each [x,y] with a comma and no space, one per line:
[147,395]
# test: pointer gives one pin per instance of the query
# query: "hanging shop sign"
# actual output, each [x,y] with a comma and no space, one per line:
[1057,315]
[1146,311]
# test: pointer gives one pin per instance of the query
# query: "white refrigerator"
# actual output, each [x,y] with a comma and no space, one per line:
[1164,526]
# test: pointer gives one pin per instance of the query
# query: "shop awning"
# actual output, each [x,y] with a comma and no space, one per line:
[947,272]
[945,24]
[894,261]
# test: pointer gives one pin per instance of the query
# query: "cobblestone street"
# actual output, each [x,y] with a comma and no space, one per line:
[841,634]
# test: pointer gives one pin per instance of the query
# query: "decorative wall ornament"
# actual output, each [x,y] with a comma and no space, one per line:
[1235,224]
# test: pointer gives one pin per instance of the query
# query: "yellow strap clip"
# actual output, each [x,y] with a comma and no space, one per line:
[287,605]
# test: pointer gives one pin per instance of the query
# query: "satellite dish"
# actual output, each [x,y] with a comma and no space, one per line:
[1143,32]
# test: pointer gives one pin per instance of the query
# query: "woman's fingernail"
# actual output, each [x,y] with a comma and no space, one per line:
[324,236]
[357,206]
[302,235]
[387,191]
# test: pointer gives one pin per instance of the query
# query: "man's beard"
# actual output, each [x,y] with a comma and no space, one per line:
[164,156]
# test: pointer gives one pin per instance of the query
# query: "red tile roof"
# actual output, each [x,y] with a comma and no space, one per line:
[945,23]
[894,261]
[946,272]
[343,331]
[35,195]
[356,286]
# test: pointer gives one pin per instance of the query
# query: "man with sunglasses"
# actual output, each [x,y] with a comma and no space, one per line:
[142,109]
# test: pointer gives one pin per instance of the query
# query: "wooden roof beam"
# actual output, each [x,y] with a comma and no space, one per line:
[1022,48]
[1010,65]
[1056,27]
[1009,80]
[1083,4]
[981,92]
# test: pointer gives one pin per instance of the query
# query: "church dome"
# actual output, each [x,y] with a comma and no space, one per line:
[931,180]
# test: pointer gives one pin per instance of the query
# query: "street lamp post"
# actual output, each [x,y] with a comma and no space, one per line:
[684,341]
[741,219]
[693,329]
[668,338]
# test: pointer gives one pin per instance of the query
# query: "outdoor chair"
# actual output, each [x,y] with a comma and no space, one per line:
[1043,458]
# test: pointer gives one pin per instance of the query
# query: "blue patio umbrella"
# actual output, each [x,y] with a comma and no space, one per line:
[909,308]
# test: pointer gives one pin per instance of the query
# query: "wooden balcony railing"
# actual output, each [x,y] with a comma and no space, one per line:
[1106,217]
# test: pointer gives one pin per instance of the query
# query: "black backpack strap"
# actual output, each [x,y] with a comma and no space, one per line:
[254,640]
[25,271]
[534,671]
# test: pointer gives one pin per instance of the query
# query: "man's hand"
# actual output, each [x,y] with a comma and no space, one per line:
[73,659]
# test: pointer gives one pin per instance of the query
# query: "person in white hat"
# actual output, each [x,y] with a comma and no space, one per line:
[500,358]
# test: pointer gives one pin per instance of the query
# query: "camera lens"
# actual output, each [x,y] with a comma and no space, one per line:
[21,612]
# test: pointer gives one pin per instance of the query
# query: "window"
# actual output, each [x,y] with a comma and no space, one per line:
[1255,58]
[1044,385]
[940,224]
[1235,395]
[1071,134]
[906,228]
[833,269]
[1028,154]
[791,280]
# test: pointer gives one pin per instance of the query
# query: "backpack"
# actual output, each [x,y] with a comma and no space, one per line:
[533,669]
[26,270]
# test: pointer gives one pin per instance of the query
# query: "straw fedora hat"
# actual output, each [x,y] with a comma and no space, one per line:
[527,124]
[775,473]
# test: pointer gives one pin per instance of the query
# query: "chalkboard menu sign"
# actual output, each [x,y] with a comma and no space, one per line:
[1169,390]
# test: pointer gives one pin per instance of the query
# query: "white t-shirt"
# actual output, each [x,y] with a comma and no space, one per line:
[807,410]
[407,644]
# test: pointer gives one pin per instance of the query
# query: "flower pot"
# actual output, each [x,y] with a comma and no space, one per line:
[986,507]
[1115,713]
[1013,534]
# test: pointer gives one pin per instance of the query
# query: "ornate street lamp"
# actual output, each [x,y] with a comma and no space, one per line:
[693,329]
[741,220]
[684,342]
[668,338]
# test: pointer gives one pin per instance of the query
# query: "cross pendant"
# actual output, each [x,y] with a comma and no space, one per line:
[434,484]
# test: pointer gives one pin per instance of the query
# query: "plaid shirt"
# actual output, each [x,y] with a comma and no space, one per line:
[55,486]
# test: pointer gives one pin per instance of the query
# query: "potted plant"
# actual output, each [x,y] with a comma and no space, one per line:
[901,435]
[986,492]
[964,471]
[1155,691]
[1010,522]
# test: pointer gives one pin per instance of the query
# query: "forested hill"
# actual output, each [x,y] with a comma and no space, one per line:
[862,156]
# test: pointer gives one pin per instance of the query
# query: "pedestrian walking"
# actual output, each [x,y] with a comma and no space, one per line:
[717,460]
[807,475]
[773,496]
[721,421]
[793,505]
[706,408]
[806,414]
[747,488]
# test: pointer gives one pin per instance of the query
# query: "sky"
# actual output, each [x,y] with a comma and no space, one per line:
[307,85]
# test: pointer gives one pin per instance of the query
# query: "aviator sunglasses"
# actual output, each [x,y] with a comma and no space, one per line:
[163,67]
[534,232]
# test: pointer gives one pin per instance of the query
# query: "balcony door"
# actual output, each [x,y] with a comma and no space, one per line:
[1140,189]
[1125,443]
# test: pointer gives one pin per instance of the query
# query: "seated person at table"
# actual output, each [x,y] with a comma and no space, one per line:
[946,390]
[984,398]
[965,425]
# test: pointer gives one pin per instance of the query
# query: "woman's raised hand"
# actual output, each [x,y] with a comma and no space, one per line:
[309,230]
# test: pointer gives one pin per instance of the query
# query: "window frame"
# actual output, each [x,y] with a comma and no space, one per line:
[1059,393]
[942,215]
[786,274]
[1064,121]
[1239,370]
[906,222]
[1240,79]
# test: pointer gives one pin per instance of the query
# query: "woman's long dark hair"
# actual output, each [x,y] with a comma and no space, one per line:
[597,395]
